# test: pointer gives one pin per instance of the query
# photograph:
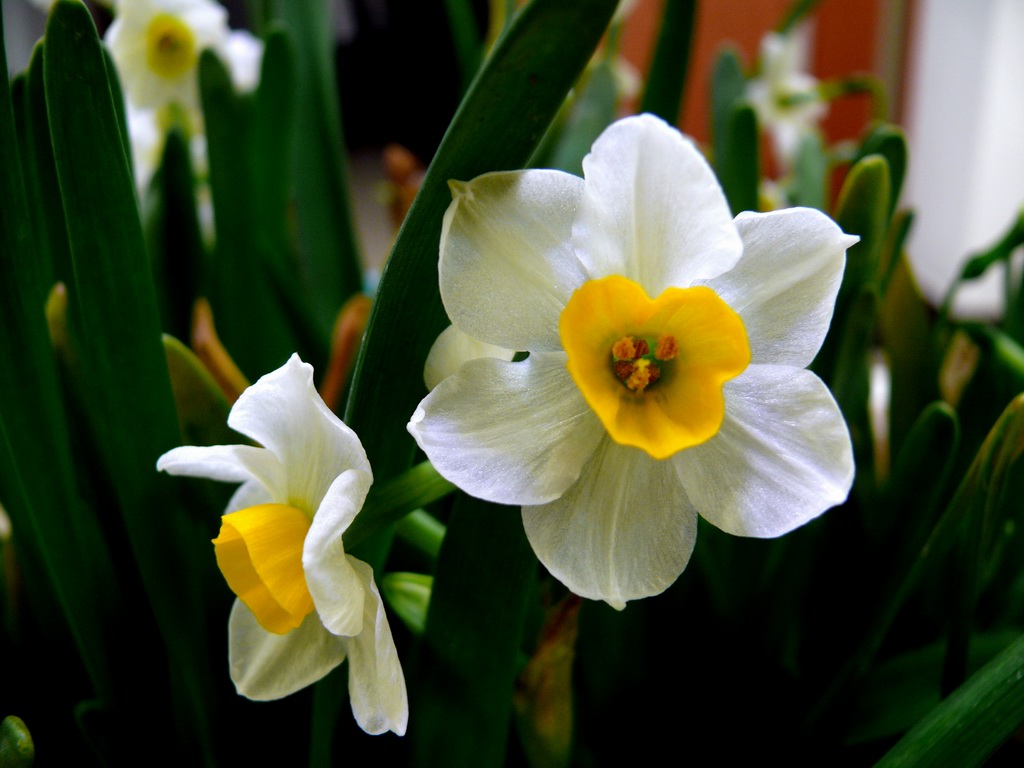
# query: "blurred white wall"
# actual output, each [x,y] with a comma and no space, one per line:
[24,23]
[965,125]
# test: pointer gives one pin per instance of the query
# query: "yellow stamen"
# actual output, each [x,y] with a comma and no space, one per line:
[259,551]
[623,349]
[667,347]
[170,46]
[641,375]
[702,336]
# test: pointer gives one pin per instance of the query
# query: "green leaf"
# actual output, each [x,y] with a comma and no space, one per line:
[666,79]
[810,186]
[408,594]
[913,362]
[851,380]
[50,230]
[466,39]
[902,690]
[734,135]
[997,378]
[462,705]
[727,88]
[173,239]
[273,141]
[423,531]
[392,500]
[987,498]
[131,393]
[16,747]
[201,405]
[920,473]
[862,210]
[737,160]
[507,110]
[36,470]
[328,252]
[797,11]
[889,142]
[589,114]
[968,726]
[250,319]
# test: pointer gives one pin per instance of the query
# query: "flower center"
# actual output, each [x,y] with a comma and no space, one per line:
[653,369]
[170,46]
[636,366]
[259,551]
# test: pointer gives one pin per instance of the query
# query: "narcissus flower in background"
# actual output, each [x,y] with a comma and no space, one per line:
[784,96]
[666,371]
[303,604]
[156,46]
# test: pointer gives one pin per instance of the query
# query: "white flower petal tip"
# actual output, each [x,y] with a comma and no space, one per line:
[308,605]
[376,684]
[785,285]
[244,54]
[598,434]
[623,532]
[506,261]
[782,458]
[621,222]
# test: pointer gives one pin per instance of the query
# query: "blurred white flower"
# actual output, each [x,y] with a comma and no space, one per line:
[784,96]
[156,46]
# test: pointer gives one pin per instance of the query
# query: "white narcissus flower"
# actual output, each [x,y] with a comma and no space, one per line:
[156,46]
[666,372]
[303,604]
[784,96]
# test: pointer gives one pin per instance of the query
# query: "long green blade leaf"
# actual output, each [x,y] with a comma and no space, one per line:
[968,726]
[131,392]
[474,625]
[666,80]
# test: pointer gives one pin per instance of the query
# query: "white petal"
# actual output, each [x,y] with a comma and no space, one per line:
[283,412]
[452,349]
[624,531]
[226,463]
[244,54]
[652,209]
[248,495]
[515,433]
[782,457]
[785,285]
[376,684]
[265,666]
[507,266]
[333,585]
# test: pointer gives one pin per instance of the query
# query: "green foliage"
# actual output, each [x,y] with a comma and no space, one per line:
[664,93]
